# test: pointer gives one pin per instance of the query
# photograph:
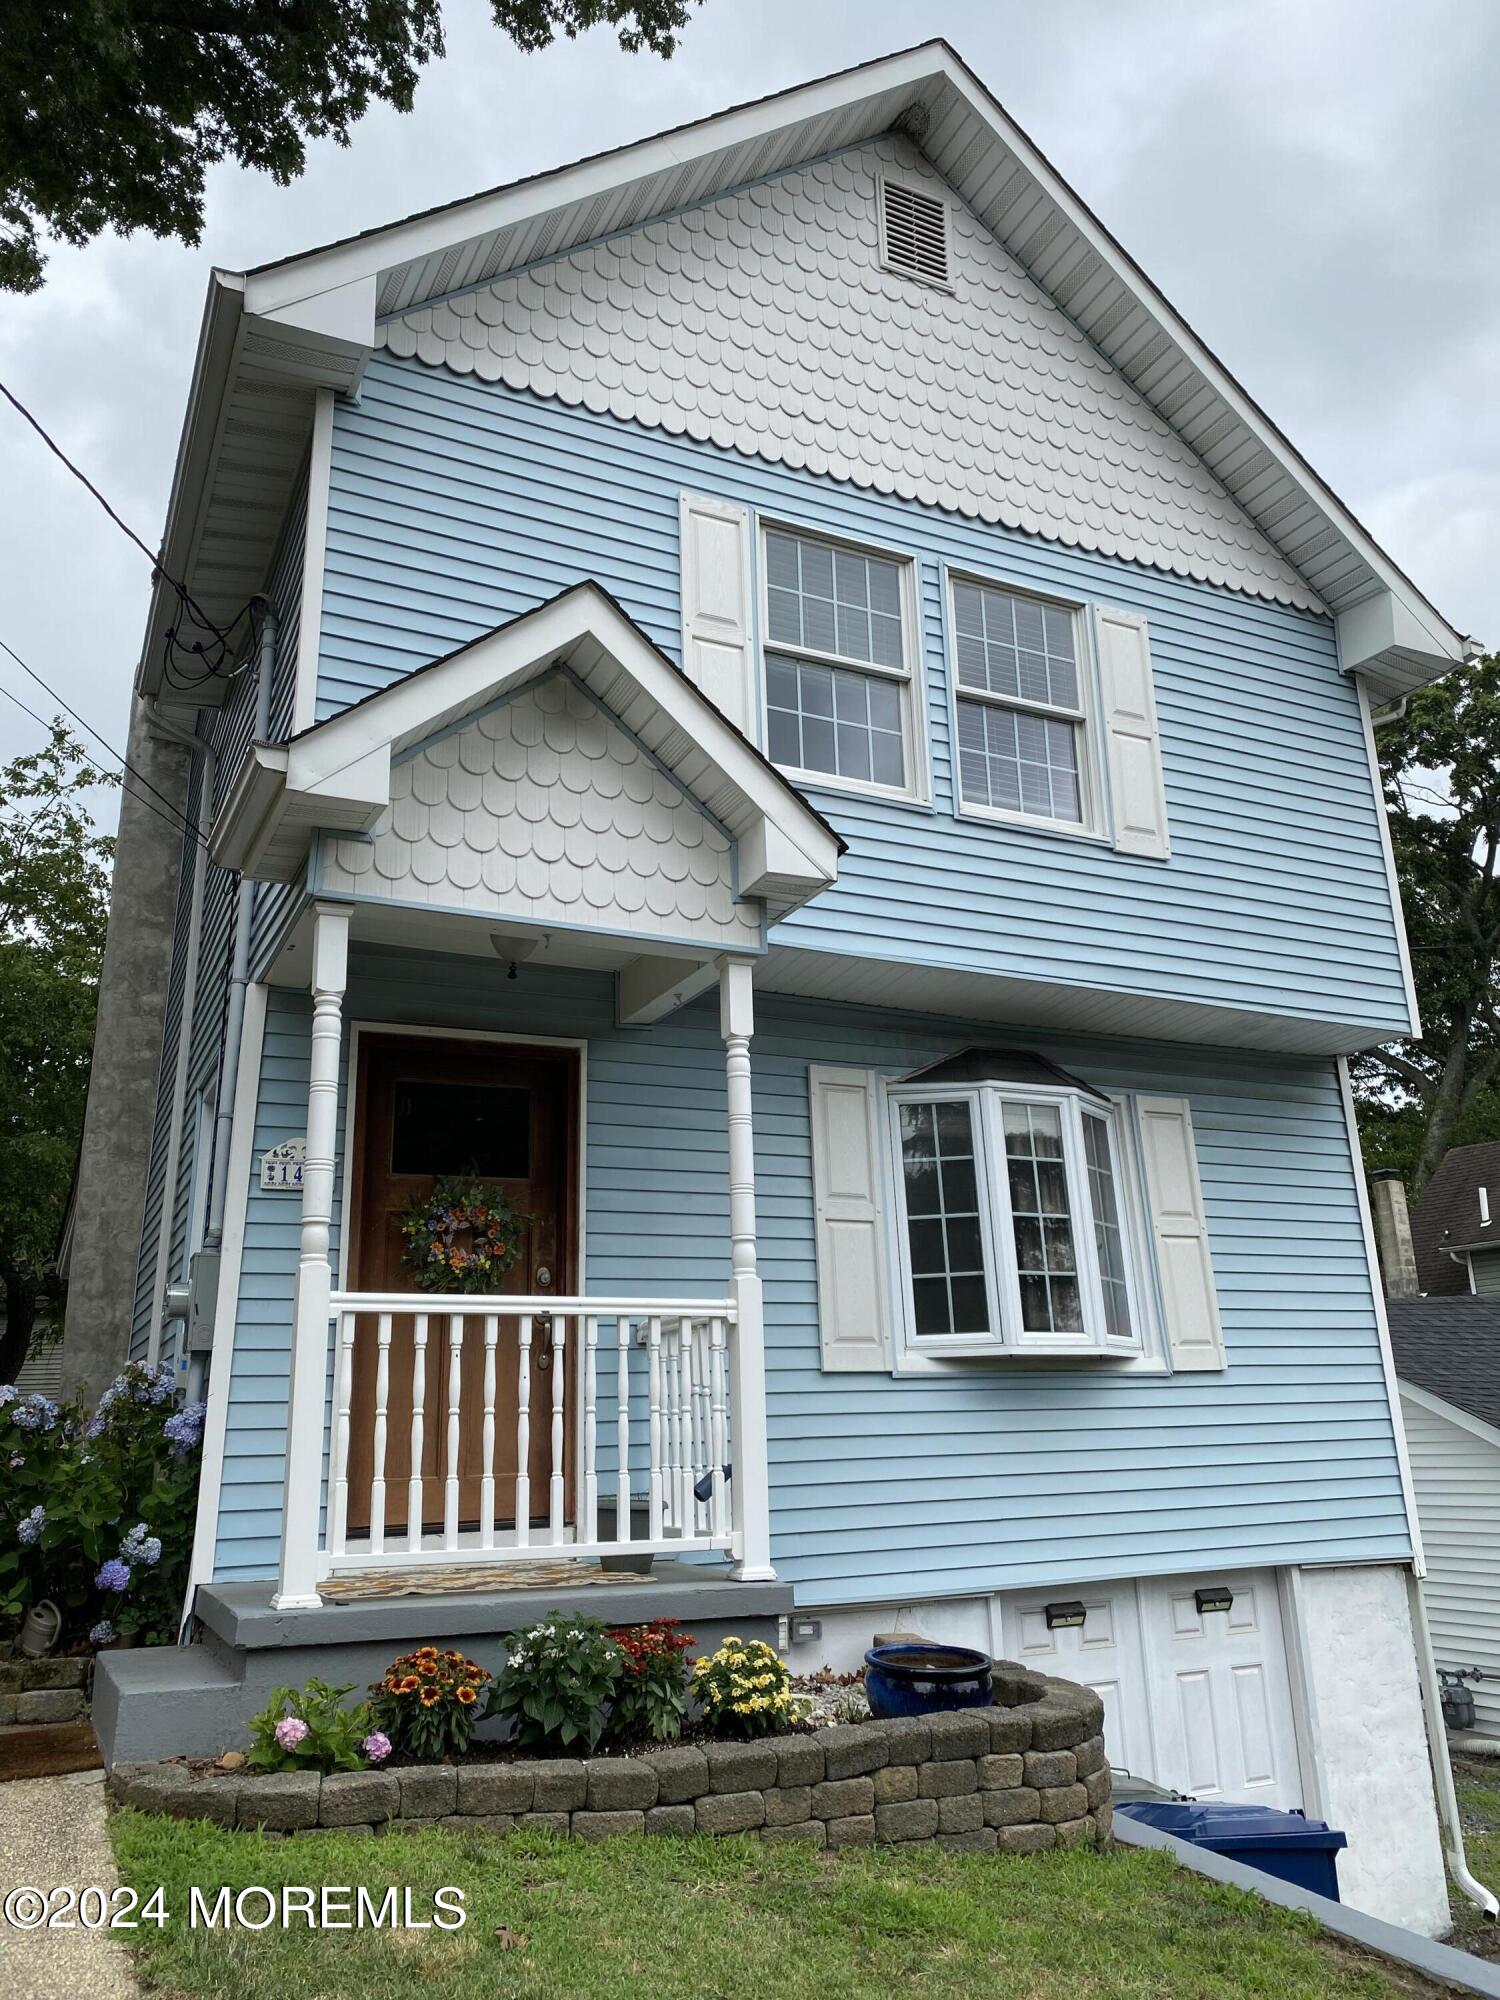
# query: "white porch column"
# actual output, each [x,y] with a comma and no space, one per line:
[302,1494]
[750,1486]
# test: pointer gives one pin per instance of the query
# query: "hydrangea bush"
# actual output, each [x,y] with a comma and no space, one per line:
[309,1729]
[428,1702]
[96,1510]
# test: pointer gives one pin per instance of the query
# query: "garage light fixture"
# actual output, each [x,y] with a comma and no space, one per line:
[1067,1615]
[1213,1597]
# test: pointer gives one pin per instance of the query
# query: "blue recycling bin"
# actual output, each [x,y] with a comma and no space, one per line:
[1287,1845]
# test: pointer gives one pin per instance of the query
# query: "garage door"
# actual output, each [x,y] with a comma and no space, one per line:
[1104,1653]
[1221,1707]
[1197,1700]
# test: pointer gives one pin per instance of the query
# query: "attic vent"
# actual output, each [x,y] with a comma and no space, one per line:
[914,233]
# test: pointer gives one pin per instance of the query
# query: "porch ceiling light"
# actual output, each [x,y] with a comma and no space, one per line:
[513,948]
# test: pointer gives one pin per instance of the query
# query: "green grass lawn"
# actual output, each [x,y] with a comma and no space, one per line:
[1477,1781]
[709,1918]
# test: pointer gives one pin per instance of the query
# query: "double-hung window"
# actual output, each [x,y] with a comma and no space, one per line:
[838,665]
[1012,1221]
[1019,689]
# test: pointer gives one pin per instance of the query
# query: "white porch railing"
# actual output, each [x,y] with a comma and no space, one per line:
[622,1402]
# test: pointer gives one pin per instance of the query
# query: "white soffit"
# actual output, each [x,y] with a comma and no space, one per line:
[931,95]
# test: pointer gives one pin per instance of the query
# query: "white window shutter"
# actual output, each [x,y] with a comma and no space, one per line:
[716,652]
[853,1290]
[1132,743]
[1178,1226]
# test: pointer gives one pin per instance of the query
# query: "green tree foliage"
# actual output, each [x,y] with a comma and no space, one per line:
[1441,769]
[54,903]
[112,111]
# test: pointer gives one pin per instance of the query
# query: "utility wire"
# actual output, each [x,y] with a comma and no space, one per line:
[177,825]
[119,756]
[200,666]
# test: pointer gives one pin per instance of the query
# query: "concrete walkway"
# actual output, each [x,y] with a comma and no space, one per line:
[52,1836]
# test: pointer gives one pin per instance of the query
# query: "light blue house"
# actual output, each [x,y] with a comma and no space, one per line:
[805,730]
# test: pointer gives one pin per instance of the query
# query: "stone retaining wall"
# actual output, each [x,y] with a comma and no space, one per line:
[1026,1774]
[43,1690]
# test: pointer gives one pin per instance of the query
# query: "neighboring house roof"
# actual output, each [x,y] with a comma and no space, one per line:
[1451,1348]
[275,336]
[1448,1217]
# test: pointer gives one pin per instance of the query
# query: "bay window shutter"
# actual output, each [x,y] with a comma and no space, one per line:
[1132,744]
[1179,1229]
[854,1329]
[716,651]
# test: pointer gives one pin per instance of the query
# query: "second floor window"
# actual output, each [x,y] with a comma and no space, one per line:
[838,675]
[1020,705]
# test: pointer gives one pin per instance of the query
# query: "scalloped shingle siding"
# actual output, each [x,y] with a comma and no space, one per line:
[763,322]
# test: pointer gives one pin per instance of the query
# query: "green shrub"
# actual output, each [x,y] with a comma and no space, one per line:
[428,1702]
[556,1685]
[311,1730]
[97,1512]
[652,1693]
[744,1688]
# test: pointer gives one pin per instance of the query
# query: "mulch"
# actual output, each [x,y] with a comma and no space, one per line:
[47,1749]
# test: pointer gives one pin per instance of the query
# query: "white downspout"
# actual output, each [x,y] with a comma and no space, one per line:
[199,746]
[1442,1769]
[239,974]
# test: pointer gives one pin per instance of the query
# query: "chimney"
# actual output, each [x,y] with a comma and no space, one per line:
[1398,1260]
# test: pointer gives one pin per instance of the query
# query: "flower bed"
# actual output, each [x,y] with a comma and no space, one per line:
[1027,1773]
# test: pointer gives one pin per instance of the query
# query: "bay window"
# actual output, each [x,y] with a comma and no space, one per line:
[1012,1221]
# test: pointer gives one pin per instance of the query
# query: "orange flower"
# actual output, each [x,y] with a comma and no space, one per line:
[467,1696]
[426,1653]
[408,1684]
[429,1696]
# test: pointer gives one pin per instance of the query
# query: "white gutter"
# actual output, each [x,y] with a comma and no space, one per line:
[199,747]
[1442,1769]
[239,975]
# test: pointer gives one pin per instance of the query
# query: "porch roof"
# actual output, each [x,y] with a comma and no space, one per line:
[336,776]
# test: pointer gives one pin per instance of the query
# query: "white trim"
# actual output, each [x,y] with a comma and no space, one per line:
[1382,1325]
[917,791]
[351,1075]
[1006,1340]
[1388,855]
[1307,1726]
[226,1304]
[314,554]
[1439,1406]
[1094,825]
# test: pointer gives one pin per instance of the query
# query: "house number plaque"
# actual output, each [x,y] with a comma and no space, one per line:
[281,1167]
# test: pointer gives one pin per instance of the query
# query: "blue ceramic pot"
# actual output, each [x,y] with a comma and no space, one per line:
[916,1679]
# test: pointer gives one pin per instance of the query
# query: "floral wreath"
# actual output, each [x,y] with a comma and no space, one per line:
[463,1237]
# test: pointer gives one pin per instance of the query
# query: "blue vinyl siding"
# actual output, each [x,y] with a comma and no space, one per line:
[456,505]
[983,1478]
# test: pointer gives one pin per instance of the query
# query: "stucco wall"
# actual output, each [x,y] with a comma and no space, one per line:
[1369,1742]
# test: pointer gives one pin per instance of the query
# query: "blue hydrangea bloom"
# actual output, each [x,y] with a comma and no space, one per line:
[102,1633]
[35,1412]
[113,1575]
[184,1432]
[8,1393]
[141,1546]
[30,1529]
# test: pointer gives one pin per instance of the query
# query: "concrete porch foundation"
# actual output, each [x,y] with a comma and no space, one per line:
[197,1700]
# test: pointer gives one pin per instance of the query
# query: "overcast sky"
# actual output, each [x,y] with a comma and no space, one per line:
[1312,182]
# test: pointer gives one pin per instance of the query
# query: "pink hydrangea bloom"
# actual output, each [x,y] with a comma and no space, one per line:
[377,1746]
[290,1731]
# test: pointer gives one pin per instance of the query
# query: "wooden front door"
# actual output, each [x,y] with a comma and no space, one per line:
[428,1107]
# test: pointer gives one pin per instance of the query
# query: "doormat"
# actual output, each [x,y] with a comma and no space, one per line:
[47,1750]
[462,1580]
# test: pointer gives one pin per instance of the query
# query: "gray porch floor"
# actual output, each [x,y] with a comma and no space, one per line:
[197,1700]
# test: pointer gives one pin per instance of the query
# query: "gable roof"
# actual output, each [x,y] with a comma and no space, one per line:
[1447,1217]
[336,776]
[276,333]
[1451,1348]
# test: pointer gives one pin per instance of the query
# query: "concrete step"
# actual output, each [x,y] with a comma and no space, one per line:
[165,1701]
